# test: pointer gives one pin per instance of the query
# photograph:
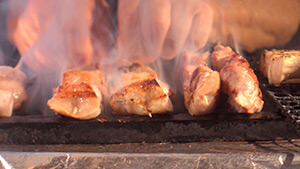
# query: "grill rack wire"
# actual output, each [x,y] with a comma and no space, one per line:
[286,96]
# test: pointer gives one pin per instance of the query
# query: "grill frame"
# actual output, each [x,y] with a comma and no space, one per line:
[178,127]
[286,96]
[287,101]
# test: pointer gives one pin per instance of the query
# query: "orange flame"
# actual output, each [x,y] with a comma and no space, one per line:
[152,29]
[27,22]
[54,34]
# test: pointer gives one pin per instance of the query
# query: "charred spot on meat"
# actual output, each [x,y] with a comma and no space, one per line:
[238,80]
[281,66]
[201,85]
[80,95]
[141,93]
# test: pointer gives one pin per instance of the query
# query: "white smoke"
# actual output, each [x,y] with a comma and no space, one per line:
[8,53]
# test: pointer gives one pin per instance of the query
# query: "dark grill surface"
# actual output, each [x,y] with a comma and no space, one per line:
[286,97]
[176,127]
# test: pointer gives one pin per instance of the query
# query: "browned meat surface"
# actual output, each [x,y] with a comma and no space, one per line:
[281,66]
[6,103]
[80,95]
[221,56]
[238,80]
[201,85]
[142,93]
[12,90]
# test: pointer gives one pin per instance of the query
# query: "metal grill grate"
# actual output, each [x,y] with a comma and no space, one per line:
[286,96]
[176,127]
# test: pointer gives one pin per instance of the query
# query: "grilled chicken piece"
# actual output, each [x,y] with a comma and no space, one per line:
[201,85]
[80,95]
[12,90]
[221,56]
[281,66]
[6,103]
[238,80]
[142,92]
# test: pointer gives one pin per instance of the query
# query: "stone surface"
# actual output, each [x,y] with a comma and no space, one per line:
[122,160]
[257,154]
[176,128]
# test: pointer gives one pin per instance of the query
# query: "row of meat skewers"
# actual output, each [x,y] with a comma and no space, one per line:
[82,91]
[232,72]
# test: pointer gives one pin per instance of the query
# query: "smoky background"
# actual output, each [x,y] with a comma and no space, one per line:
[9,54]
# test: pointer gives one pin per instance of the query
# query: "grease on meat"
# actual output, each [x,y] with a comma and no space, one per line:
[80,95]
[281,66]
[142,93]
[238,80]
[201,85]
[12,90]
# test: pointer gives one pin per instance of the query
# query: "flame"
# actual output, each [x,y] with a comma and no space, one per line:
[53,34]
[102,31]
[28,21]
[152,29]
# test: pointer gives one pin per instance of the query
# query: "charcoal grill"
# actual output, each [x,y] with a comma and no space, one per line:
[286,97]
[271,124]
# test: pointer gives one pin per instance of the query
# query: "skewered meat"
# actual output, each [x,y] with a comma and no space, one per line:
[142,93]
[201,86]
[6,103]
[238,80]
[12,90]
[80,95]
[281,66]
[221,56]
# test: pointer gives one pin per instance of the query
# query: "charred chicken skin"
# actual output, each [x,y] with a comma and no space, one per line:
[201,85]
[142,93]
[80,95]
[238,80]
